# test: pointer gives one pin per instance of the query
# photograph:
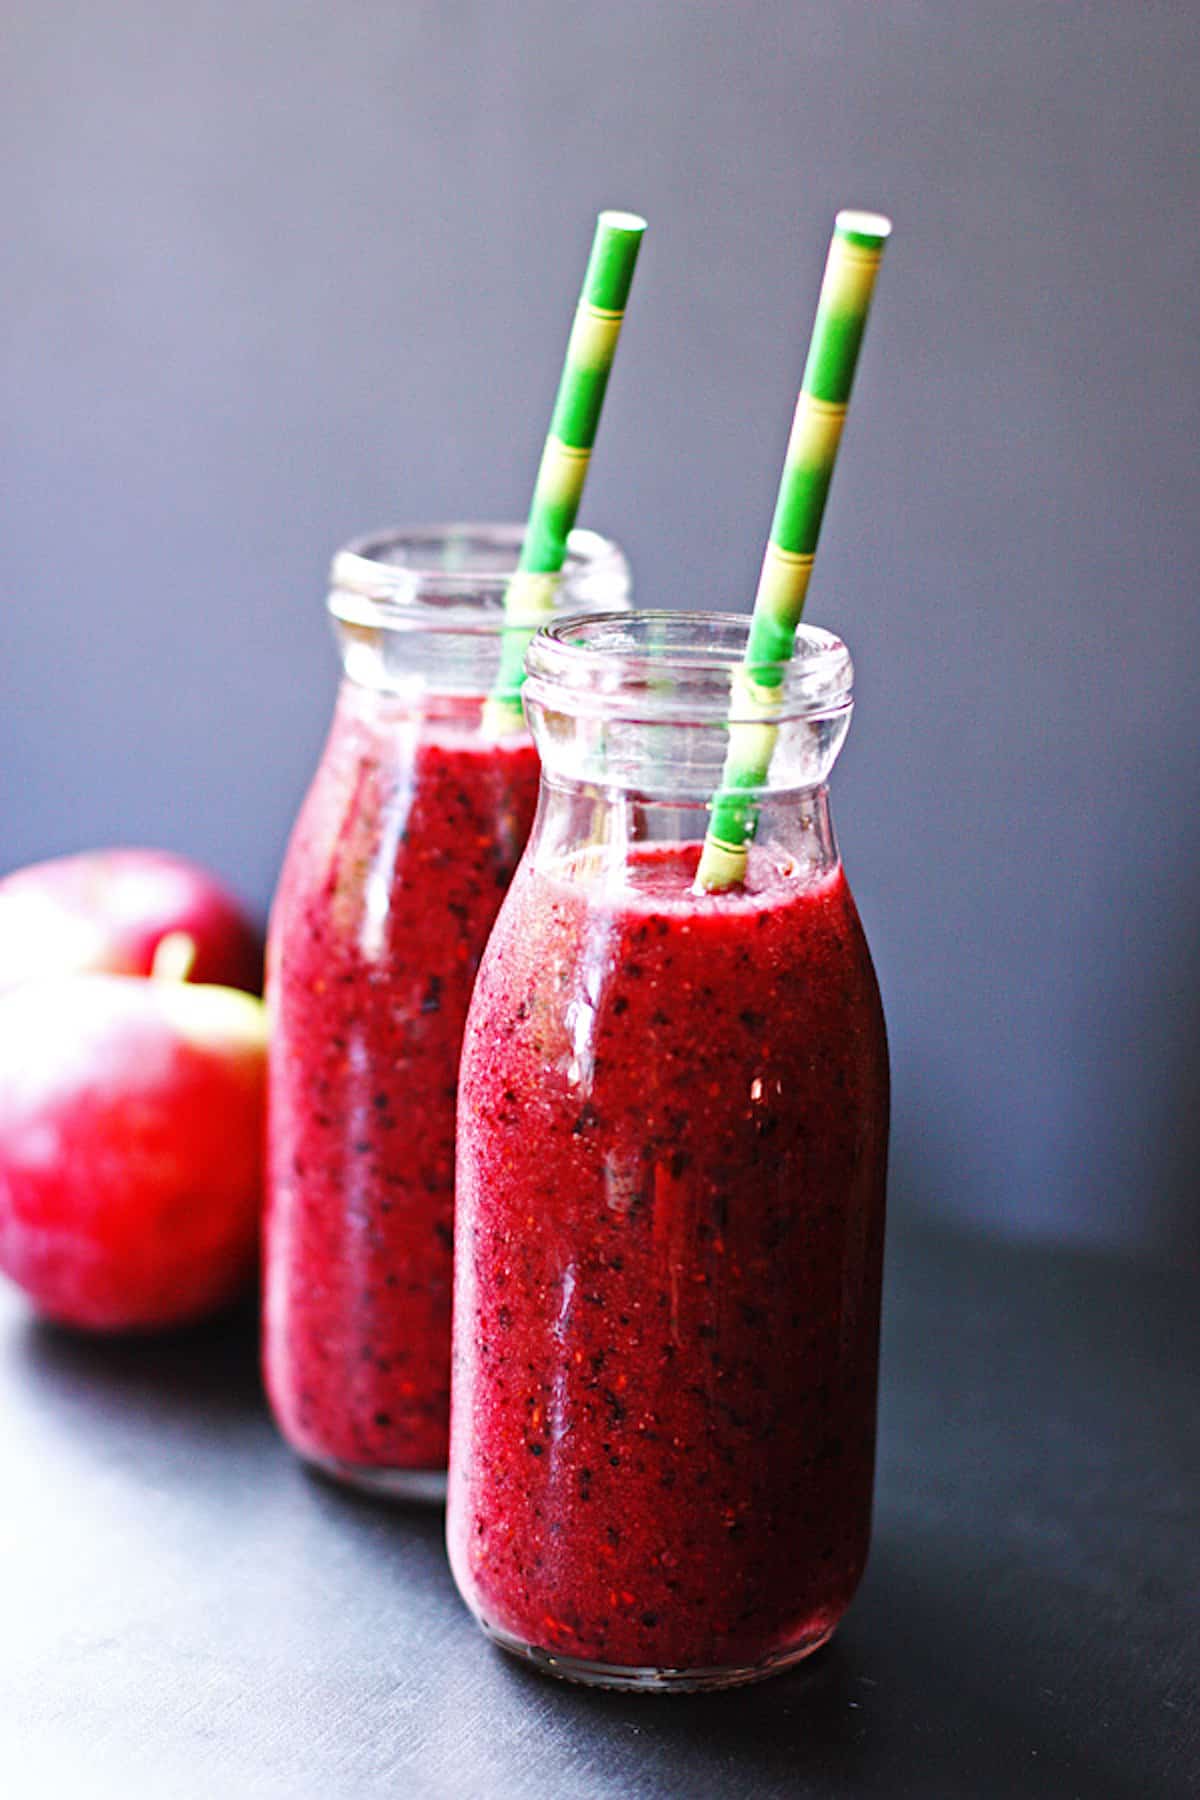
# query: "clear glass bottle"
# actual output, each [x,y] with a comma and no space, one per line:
[396,867]
[672,1141]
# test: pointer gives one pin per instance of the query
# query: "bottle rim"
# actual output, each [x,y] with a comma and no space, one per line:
[453,577]
[660,667]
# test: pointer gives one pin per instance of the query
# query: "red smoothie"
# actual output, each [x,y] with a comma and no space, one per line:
[672,1148]
[396,868]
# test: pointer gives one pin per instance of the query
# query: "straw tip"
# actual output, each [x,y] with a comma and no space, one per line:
[633,223]
[863,227]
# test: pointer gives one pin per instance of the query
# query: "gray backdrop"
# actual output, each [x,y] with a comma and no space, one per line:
[276,271]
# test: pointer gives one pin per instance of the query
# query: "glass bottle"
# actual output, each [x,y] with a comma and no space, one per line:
[672,1141]
[397,864]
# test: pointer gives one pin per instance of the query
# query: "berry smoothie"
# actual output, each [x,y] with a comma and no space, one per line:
[672,1147]
[396,869]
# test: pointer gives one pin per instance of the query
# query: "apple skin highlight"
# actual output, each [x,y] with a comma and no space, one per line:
[131,1137]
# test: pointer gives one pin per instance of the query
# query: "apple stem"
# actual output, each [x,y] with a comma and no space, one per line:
[174,957]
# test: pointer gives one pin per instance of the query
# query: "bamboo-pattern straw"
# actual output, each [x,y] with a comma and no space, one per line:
[529,599]
[855,252]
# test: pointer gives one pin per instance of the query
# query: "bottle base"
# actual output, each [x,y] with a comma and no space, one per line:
[649,1680]
[427,1486]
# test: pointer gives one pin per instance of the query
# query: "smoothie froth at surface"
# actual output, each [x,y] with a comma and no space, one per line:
[672,1148]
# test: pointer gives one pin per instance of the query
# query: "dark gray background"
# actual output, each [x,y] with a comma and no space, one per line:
[275,272]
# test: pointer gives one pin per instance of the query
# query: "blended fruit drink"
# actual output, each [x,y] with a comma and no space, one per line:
[368,1019]
[396,868]
[672,1150]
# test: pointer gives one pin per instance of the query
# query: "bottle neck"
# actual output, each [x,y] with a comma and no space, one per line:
[421,614]
[591,835]
[419,697]
[648,722]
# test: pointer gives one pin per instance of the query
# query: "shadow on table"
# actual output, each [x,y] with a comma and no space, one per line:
[366,1516]
[906,1701]
[207,1371]
[1011,1637]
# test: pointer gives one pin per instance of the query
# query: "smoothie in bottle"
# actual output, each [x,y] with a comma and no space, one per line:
[397,865]
[671,1164]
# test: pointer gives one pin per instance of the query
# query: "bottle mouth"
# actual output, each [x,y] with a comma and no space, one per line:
[454,577]
[682,668]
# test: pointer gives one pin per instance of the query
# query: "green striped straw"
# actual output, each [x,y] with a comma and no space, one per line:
[529,598]
[855,252]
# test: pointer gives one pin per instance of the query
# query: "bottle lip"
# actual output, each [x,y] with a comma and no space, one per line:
[453,577]
[682,667]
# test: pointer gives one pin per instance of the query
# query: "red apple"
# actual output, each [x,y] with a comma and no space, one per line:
[108,910]
[131,1135]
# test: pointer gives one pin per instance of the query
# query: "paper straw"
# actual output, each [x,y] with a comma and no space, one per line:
[529,599]
[855,252]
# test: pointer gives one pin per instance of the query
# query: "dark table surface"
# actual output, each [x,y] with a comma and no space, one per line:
[184,1612]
